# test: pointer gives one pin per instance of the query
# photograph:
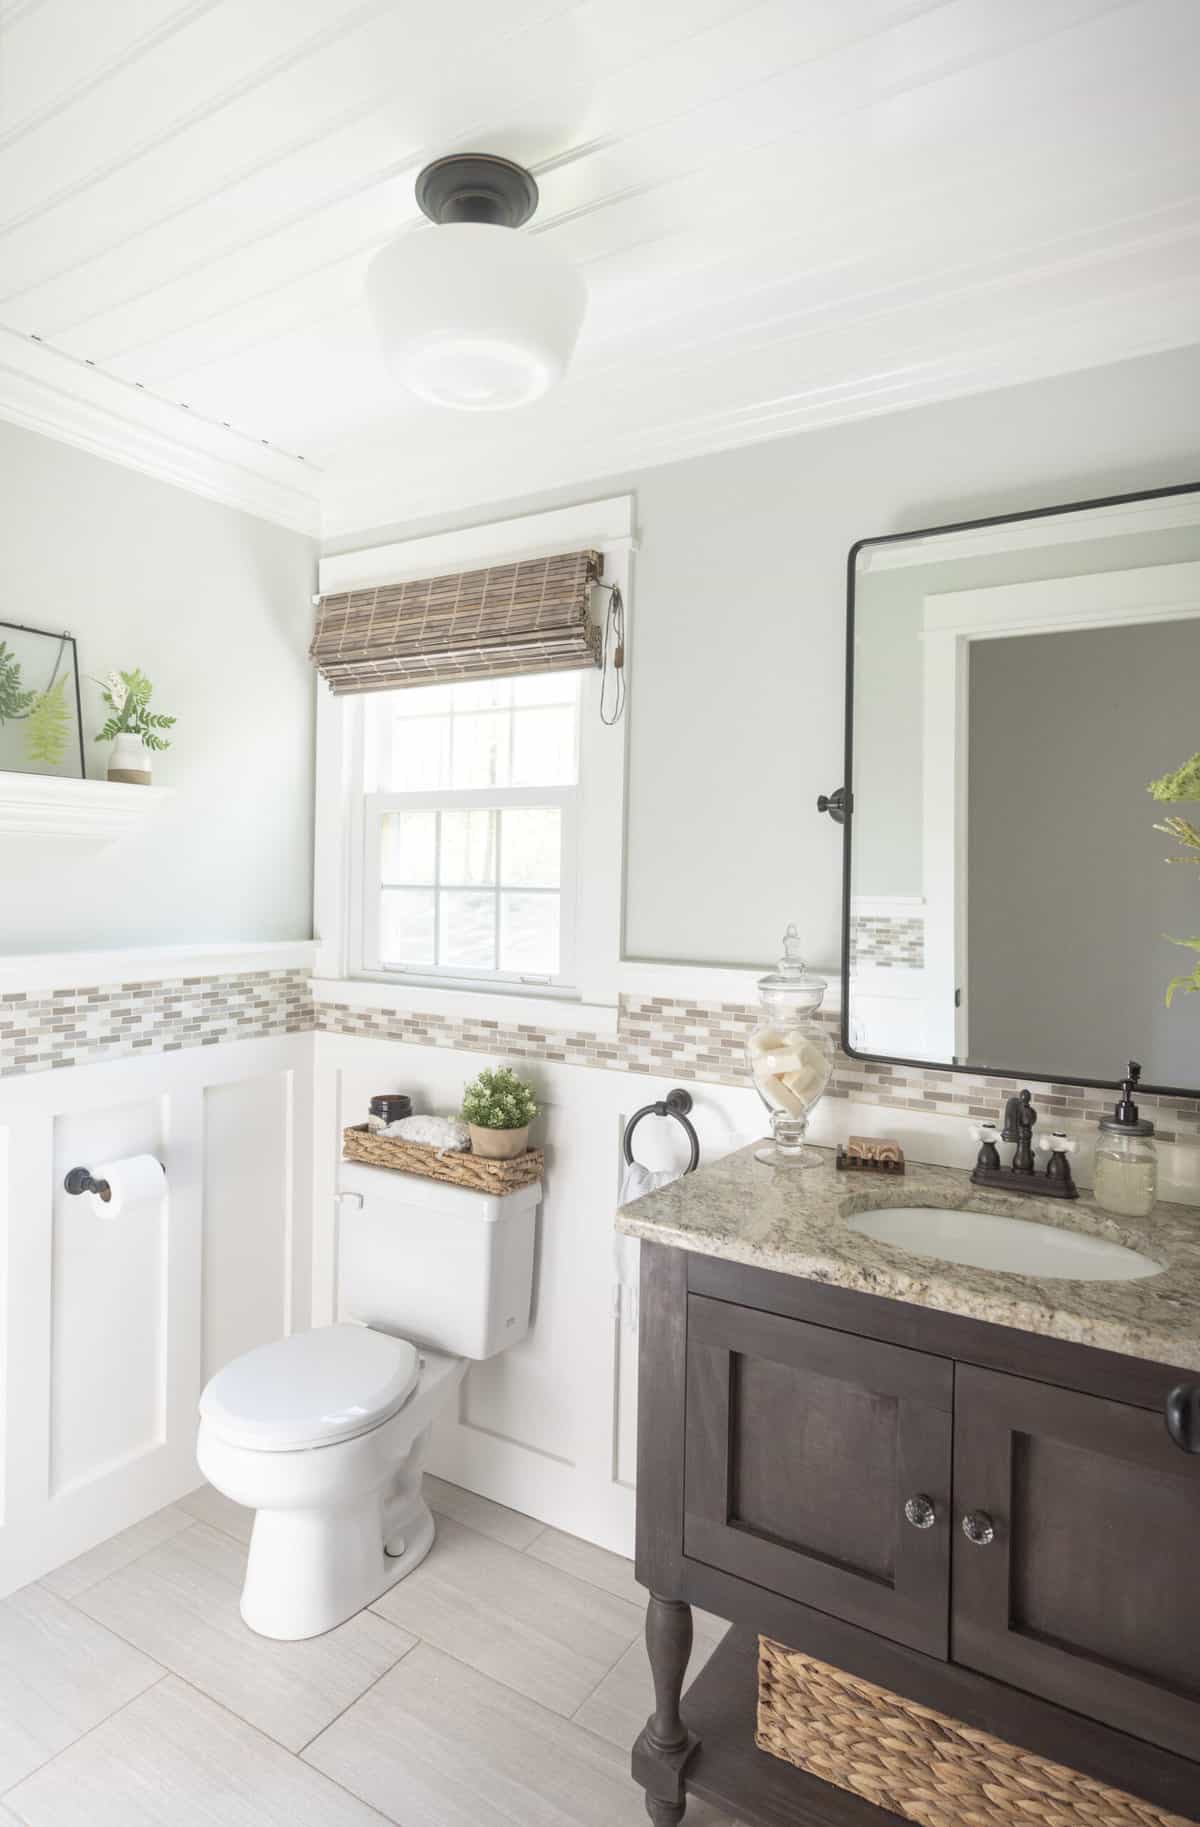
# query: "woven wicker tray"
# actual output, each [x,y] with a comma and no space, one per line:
[920,1763]
[471,1171]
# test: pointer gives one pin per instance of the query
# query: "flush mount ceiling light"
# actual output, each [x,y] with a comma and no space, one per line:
[476,315]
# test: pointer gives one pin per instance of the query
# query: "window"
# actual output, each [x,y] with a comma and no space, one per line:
[469,830]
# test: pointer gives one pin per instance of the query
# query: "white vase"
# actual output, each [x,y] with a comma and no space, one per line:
[130,760]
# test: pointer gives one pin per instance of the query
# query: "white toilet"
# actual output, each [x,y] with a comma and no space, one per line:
[324,1433]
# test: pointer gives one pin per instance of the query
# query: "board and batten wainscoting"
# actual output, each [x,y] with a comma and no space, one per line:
[240,1071]
[202,1057]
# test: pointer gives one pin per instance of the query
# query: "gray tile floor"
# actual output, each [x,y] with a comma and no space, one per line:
[502,1683]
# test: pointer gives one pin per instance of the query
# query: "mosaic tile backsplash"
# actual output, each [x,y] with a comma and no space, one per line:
[705,1043]
[43,1030]
[888,941]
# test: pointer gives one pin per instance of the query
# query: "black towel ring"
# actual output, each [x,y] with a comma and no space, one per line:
[676,1104]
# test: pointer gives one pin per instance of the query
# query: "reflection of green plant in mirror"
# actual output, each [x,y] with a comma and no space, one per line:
[1184,783]
[49,722]
[13,701]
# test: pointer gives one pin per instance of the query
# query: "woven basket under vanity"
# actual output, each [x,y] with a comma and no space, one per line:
[457,1169]
[918,1763]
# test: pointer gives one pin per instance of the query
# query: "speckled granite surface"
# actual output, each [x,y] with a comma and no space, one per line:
[794,1222]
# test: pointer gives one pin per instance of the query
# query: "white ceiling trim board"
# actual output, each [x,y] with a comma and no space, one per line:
[47,392]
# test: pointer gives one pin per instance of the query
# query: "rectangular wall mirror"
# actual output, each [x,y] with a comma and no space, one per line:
[1015,685]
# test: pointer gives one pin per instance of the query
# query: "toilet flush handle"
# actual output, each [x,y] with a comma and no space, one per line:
[355,1199]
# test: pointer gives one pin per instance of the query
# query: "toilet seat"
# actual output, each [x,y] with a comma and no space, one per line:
[312,1389]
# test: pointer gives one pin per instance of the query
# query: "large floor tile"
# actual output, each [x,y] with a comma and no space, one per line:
[540,1631]
[60,1675]
[87,1569]
[624,1700]
[174,1759]
[219,1512]
[587,1562]
[480,1513]
[436,1744]
[180,1604]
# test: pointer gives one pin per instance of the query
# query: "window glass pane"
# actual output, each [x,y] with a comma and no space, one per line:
[468,847]
[420,754]
[406,926]
[480,750]
[420,700]
[546,688]
[467,930]
[543,748]
[483,694]
[531,855]
[529,933]
[408,847]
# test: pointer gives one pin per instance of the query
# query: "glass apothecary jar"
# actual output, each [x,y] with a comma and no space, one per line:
[790,1055]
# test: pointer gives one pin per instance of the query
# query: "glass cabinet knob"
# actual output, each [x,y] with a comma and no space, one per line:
[919,1511]
[979,1528]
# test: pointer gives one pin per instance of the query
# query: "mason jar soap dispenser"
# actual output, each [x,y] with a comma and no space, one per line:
[789,1055]
[1126,1181]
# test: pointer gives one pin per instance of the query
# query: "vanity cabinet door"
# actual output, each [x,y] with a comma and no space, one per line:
[1087,1592]
[803,1446]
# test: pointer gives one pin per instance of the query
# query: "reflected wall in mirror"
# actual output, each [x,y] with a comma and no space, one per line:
[1015,687]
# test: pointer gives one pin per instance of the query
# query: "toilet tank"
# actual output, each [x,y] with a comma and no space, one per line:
[439,1265]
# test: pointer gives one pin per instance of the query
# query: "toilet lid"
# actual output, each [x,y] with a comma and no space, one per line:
[311,1389]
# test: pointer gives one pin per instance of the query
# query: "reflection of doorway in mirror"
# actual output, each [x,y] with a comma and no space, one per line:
[997,806]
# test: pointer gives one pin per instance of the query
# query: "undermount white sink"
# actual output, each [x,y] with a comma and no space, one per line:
[1014,1246]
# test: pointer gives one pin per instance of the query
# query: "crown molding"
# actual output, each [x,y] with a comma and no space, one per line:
[47,391]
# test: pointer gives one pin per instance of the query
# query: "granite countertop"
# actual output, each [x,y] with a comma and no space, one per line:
[793,1220]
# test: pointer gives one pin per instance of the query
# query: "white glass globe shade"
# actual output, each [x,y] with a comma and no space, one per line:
[476,316]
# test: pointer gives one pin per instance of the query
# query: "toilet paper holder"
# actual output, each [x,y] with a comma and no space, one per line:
[80,1180]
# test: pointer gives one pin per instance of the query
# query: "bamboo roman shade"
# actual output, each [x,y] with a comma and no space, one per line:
[520,618]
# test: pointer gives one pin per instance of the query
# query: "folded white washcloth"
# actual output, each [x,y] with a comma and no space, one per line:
[635,1183]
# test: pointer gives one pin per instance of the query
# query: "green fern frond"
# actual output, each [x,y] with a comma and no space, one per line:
[49,723]
[14,702]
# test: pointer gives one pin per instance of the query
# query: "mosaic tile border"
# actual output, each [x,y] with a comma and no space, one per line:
[705,1043]
[47,1030]
[886,940]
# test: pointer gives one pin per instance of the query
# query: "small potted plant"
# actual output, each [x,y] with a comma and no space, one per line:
[133,728]
[498,1108]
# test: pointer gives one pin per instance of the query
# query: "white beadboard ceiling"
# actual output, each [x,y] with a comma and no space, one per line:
[789,212]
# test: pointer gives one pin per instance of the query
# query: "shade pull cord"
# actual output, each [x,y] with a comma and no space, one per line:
[612,677]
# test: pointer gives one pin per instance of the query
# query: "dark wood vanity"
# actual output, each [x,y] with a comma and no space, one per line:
[993,1523]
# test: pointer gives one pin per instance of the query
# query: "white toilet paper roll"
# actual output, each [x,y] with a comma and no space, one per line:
[136,1177]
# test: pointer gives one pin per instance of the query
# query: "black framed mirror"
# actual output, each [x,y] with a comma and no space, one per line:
[1022,855]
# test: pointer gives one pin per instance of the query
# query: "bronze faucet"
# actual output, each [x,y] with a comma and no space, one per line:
[1022,1176]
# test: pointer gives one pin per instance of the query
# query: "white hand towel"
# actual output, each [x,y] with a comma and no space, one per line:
[635,1183]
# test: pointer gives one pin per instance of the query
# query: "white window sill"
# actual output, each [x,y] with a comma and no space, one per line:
[508,1006]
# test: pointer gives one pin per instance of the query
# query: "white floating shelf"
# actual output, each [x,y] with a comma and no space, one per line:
[43,811]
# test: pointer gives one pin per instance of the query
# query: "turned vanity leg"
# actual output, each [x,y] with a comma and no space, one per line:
[662,1751]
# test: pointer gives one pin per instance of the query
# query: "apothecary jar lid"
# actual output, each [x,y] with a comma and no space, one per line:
[791,982]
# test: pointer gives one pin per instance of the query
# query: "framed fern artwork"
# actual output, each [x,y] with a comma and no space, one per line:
[41,724]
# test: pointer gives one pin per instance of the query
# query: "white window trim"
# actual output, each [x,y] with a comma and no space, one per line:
[600,799]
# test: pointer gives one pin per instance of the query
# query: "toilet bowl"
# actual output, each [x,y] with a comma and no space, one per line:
[324,1433]
[336,1480]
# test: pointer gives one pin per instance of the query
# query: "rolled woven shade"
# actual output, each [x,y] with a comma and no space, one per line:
[521,618]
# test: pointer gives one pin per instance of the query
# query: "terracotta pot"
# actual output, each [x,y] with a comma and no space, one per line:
[498,1144]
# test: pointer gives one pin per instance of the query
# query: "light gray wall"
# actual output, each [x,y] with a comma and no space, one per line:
[215,606]
[738,624]
[1070,897]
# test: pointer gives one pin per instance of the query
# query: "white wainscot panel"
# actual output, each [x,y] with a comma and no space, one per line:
[551,1426]
[109,1288]
[104,1324]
